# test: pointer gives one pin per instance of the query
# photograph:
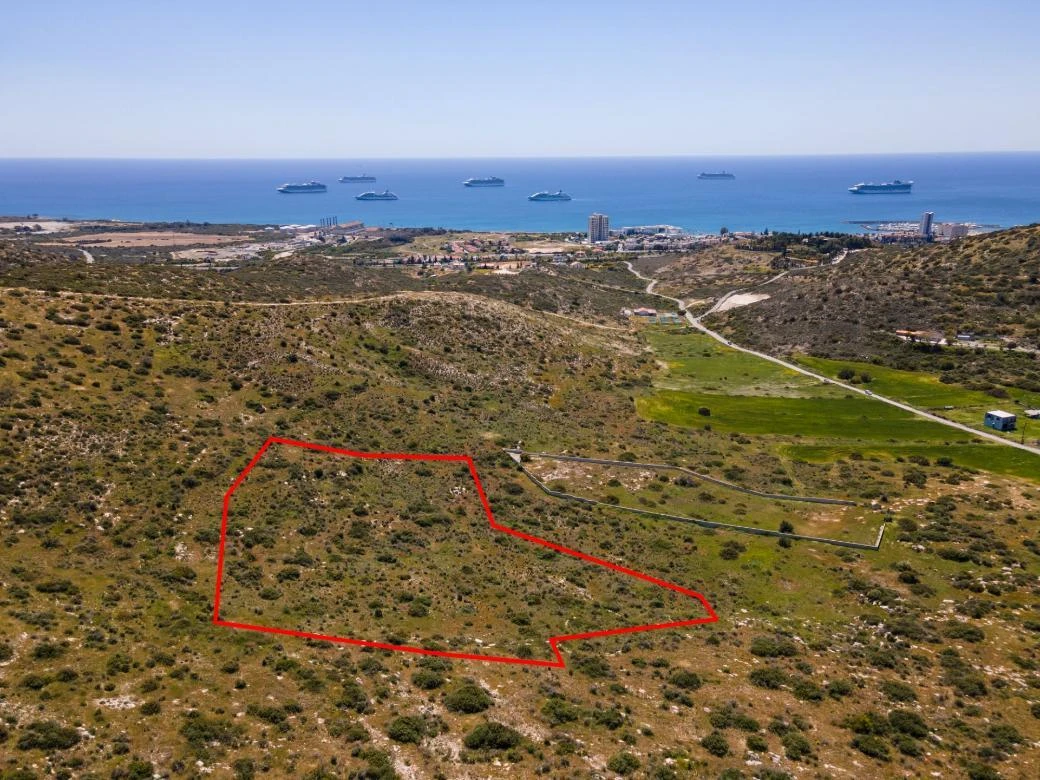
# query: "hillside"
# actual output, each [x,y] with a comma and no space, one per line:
[123,421]
[18,256]
[310,277]
[702,276]
[987,285]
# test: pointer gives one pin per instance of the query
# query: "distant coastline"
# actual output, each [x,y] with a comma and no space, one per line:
[791,193]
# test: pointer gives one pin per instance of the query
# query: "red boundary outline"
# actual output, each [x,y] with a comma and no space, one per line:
[553,640]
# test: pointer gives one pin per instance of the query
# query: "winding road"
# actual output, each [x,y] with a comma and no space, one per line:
[696,323]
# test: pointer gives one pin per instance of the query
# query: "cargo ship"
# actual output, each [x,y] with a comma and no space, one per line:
[546,195]
[487,181]
[362,177]
[384,195]
[310,186]
[887,187]
[719,175]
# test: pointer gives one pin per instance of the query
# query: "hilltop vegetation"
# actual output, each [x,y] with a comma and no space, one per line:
[703,275]
[309,277]
[986,285]
[20,256]
[123,420]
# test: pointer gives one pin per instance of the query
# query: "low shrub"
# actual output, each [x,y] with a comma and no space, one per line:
[492,736]
[773,647]
[871,745]
[47,735]
[685,679]
[898,691]
[623,764]
[716,744]
[468,698]
[769,677]
[407,729]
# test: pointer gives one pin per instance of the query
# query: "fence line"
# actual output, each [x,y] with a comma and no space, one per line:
[704,477]
[747,529]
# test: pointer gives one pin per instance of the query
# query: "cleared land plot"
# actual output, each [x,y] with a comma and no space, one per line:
[151,238]
[401,552]
[45,225]
[672,492]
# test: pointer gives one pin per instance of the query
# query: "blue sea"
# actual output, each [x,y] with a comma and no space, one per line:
[775,193]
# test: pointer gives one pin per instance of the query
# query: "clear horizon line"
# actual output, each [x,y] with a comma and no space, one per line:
[534,157]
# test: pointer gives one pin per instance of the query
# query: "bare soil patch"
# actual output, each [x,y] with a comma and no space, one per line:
[152,238]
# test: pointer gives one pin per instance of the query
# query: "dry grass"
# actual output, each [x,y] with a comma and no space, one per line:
[163,238]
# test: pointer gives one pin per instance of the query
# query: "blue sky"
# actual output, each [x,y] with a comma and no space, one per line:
[390,78]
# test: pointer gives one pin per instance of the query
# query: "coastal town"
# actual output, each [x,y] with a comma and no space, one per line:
[207,247]
[511,390]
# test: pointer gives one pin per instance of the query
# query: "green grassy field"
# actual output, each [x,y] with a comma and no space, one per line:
[699,363]
[914,387]
[983,457]
[746,395]
[848,419]
[926,391]
[919,388]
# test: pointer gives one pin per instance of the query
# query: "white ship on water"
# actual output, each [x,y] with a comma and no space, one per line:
[487,181]
[545,195]
[309,186]
[885,188]
[384,195]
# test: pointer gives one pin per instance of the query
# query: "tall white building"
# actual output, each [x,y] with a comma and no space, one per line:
[599,228]
[925,228]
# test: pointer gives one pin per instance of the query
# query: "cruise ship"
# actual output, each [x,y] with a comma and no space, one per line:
[546,195]
[310,186]
[719,175]
[487,181]
[362,177]
[888,187]
[384,195]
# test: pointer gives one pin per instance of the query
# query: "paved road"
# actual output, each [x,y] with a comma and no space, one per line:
[696,323]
